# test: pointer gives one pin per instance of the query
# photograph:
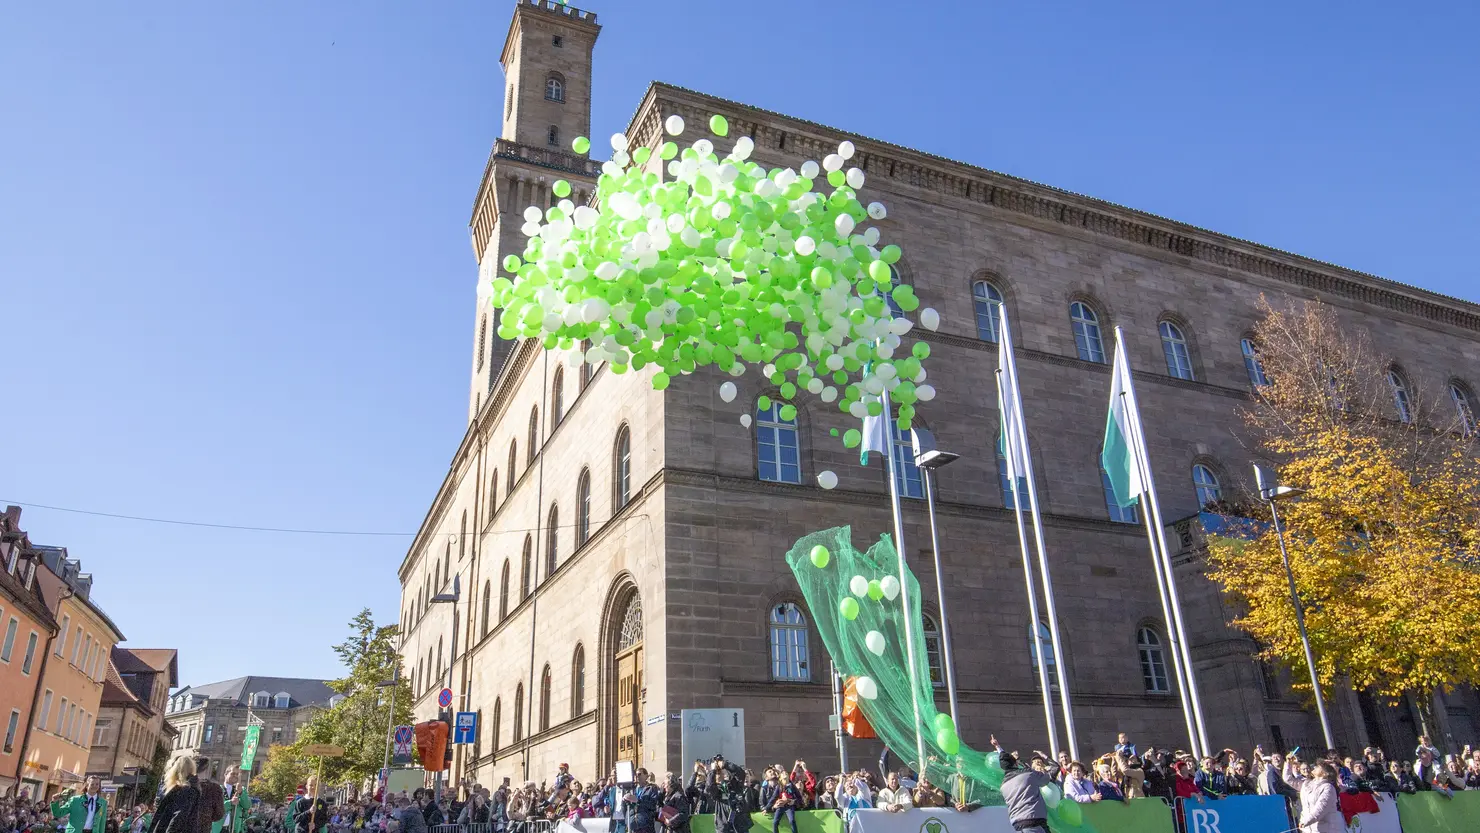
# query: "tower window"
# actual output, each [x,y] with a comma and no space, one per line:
[554,88]
[557,41]
[554,136]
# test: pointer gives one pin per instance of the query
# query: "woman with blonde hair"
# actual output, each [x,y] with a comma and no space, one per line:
[179,810]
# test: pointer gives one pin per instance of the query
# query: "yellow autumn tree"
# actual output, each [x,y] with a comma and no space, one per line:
[1384,538]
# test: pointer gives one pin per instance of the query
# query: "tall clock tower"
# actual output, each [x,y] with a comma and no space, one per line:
[547,104]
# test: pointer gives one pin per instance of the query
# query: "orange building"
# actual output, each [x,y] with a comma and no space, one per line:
[26,631]
[60,736]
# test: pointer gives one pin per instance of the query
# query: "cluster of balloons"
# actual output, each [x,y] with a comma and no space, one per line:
[722,262]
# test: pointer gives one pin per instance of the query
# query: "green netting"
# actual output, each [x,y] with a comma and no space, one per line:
[854,600]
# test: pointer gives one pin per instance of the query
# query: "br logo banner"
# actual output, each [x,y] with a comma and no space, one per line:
[1237,814]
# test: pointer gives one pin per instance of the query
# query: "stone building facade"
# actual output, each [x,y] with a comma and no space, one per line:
[620,550]
[211,720]
[131,726]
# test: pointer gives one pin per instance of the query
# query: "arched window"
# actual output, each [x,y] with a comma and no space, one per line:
[1463,407]
[487,605]
[441,659]
[895,279]
[933,652]
[1040,643]
[552,541]
[988,302]
[778,459]
[1206,483]
[519,713]
[1004,482]
[789,643]
[906,473]
[585,365]
[554,88]
[503,592]
[1119,514]
[493,494]
[1252,365]
[1153,661]
[583,507]
[1174,348]
[552,135]
[1086,325]
[498,714]
[462,537]
[482,337]
[578,682]
[622,469]
[513,461]
[526,571]
[1400,396]
[431,669]
[534,436]
[509,102]
[557,398]
[545,699]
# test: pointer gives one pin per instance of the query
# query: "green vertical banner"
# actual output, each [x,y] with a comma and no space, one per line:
[1141,815]
[249,747]
[1433,812]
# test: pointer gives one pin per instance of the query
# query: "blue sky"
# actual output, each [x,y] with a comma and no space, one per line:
[234,262]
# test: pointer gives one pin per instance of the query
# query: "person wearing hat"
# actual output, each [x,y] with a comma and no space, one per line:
[1022,792]
[85,812]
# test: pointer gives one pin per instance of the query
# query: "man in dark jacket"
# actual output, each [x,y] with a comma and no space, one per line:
[212,797]
[411,818]
[1022,792]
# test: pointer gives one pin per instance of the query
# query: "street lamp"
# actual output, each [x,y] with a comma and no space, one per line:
[450,598]
[390,723]
[929,458]
[1270,491]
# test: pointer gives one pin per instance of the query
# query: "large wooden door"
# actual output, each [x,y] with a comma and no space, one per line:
[629,705]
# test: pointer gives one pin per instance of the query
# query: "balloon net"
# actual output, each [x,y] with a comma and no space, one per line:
[855,602]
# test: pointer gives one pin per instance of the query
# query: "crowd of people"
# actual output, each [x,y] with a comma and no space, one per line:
[1312,784]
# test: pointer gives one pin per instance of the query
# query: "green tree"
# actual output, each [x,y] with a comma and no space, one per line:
[359,722]
[150,778]
[280,776]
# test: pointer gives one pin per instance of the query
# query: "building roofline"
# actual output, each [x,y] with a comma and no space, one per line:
[1107,218]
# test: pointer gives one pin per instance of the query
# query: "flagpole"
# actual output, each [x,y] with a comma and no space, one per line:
[1017,514]
[1166,615]
[1048,597]
[1154,504]
[904,586]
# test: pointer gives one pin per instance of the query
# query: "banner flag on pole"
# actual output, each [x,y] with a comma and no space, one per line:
[1007,443]
[1120,453]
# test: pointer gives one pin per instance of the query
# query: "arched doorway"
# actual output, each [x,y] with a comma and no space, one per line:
[629,683]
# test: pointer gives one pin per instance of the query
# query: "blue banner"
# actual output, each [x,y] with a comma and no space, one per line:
[1235,814]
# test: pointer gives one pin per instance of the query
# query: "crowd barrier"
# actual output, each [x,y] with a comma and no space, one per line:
[1433,813]
[1141,815]
[985,820]
[1235,814]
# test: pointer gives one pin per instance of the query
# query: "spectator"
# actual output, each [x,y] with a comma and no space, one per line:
[1123,744]
[1108,789]
[1239,781]
[642,804]
[927,795]
[1320,811]
[894,798]
[677,810]
[1426,771]
[1077,785]
[783,802]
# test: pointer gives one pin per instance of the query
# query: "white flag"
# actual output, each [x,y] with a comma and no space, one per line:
[1011,438]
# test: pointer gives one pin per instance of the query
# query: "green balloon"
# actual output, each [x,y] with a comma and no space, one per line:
[660,381]
[763,403]
[561,188]
[788,411]
[948,742]
[820,556]
[832,432]
[849,608]
[581,144]
[852,437]
[1071,813]
[718,125]
[875,590]
[943,723]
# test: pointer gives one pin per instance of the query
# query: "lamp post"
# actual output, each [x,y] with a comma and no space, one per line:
[1270,491]
[928,459]
[448,598]
[392,684]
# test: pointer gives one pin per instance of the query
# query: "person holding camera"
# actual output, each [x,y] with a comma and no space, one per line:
[725,786]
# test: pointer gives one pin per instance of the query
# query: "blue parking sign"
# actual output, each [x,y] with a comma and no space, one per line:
[464,727]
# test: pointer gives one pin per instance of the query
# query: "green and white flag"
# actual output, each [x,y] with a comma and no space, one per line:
[1011,437]
[875,434]
[1121,450]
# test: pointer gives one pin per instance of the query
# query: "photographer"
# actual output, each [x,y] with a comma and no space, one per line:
[725,786]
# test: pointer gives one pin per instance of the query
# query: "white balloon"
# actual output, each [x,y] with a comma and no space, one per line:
[866,688]
[805,245]
[619,141]
[727,391]
[877,210]
[743,147]
[925,393]
[846,149]
[890,586]
[674,124]
[855,178]
[843,225]
[900,326]
[858,410]
[858,586]
[809,169]
[834,362]
[532,214]
[829,394]
[929,318]
[832,162]
[815,385]
[827,479]
[745,420]
[874,641]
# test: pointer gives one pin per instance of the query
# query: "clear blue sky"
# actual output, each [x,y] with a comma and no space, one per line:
[234,264]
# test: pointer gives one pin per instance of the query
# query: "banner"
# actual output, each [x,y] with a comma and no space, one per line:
[1141,815]
[249,747]
[705,733]
[1236,814]
[1385,820]
[1432,812]
[985,820]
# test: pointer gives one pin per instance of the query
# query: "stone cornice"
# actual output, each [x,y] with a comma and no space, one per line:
[908,168]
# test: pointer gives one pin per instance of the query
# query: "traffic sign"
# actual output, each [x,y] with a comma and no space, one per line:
[465,727]
[404,737]
[444,698]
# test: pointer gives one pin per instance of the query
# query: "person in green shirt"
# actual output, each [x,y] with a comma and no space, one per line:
[85,813]
[237,804]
